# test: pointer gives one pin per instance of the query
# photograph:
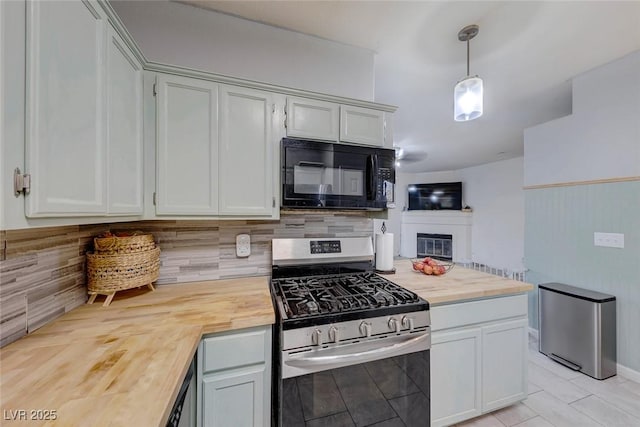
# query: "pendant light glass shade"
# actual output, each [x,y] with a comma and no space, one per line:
[467,99]
[468,93]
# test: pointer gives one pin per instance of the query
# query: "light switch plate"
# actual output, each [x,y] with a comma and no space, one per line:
[610,240]
[243,245]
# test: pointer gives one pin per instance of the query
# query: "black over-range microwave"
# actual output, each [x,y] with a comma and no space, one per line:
[336,176]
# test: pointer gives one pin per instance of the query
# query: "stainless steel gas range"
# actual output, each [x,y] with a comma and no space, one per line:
[351,348]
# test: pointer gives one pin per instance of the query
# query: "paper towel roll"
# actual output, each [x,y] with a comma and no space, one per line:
[384,252]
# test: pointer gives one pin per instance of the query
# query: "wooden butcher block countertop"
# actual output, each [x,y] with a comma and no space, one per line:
[456,285]
[123,365]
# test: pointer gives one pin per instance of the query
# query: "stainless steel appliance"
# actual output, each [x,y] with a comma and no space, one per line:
[578,328]
[351,348]
[183,411]
[337,176]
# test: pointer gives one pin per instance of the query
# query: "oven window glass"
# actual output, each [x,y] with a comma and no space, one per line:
[328,181]
[392,391]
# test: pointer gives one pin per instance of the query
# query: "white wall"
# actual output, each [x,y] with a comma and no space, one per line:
[600,140]
[494,191]
[184,35]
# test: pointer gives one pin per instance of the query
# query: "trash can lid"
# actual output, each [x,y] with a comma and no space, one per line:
[574,291]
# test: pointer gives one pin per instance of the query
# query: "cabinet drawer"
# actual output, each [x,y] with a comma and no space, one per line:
[473,312]
[237,349]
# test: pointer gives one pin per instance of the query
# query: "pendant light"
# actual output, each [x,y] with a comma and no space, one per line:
[468,94]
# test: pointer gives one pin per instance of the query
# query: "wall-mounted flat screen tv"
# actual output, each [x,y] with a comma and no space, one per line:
[439,196]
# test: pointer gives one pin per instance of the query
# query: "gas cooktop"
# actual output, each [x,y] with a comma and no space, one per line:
[323,281]
[318,295]
[314,300]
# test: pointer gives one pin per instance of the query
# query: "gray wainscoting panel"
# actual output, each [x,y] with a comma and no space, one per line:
[559,227]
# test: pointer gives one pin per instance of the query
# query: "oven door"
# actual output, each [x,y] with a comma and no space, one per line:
[393,390]
[324,175]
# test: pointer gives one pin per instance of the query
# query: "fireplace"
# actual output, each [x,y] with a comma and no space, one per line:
[455,225]
[439,246]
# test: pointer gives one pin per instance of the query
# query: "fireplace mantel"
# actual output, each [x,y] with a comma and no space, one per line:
[456,223]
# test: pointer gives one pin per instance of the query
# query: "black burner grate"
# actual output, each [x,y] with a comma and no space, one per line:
[311,296]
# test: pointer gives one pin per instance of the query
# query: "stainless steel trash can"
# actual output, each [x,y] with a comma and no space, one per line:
[578,328]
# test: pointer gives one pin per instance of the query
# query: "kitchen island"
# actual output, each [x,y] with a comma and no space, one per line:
[123,365]
[457,285]
[479,328]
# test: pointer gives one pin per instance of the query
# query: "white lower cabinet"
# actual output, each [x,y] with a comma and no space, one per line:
[478,357]
[234,398]
[455,376]
[234,379]
[504,364]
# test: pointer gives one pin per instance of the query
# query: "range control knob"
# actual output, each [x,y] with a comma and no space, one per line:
[365,329]
[394,325]
[407,323]
[316,337]
[333,334]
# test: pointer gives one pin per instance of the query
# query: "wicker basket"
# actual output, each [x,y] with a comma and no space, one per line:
[107,274]
[139,242]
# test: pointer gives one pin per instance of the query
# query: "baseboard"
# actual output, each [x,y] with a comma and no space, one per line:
[628,373]
[533,332]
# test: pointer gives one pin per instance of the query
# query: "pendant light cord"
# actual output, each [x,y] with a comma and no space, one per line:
[468,58]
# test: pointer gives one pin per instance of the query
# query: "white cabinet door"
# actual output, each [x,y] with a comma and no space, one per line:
[361,125]
[234,398]
[187,146]
[234,378]
[504,364]
[309,118]
[246,152]
[66,114]
[455,376]
[124,131]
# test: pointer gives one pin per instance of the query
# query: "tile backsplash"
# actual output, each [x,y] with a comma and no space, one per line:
[42,274]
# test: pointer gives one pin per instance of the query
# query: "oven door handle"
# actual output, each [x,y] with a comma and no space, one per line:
[415,342]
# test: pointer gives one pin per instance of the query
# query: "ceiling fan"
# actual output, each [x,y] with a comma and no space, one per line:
[409,155]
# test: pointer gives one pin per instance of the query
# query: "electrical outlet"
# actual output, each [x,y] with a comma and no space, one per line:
[610,240]
[243,245]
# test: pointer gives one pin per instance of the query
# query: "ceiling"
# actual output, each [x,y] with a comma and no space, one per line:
[526,53]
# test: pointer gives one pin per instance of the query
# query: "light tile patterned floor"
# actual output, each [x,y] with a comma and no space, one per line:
[561,397]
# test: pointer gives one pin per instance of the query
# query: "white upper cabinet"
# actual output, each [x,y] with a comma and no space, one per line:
[327,121]
[124,132]
[246,152]
[310,118]
[361,125]
[187,146]
[66,109]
